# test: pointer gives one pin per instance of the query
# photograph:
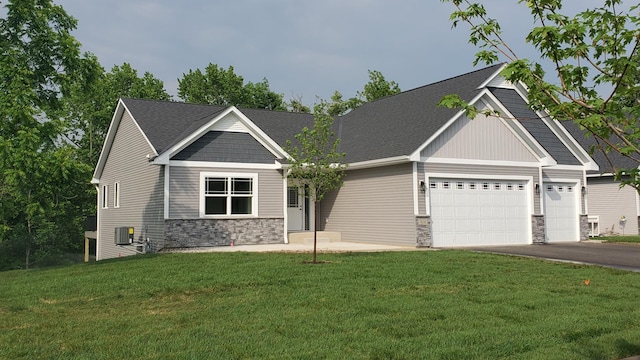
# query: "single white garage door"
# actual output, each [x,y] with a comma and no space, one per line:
[479,212]
[560,212]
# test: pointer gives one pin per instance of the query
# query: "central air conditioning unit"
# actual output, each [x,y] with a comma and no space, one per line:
[124,235]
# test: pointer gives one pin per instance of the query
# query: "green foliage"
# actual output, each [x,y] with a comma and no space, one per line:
[43,186]
[393,305]
[217,86]
[92,99]
[316,161]
[377,88]
[595,67]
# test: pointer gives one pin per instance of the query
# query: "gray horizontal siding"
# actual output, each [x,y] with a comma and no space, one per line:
[184,192]
[141,192]
[374,205]
[225,146]
[497,172]
[610,202]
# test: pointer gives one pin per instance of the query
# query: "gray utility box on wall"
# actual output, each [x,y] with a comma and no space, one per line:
[124,235]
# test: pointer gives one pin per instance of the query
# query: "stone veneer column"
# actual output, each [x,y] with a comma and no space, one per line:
[537,229]
[423,231]
[584,227]
[184,233]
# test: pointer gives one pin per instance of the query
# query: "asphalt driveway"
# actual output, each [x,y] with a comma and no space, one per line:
[619,256]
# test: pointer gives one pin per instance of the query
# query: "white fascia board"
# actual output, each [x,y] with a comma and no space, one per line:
[379,162]
[565,167]
[517,129]
[108,141]
[487,99]
[492,77]
[111,134]
[415,156]
[570,143]
[262,137]
[559,131]
[254,131]
[224,165]
[600,175]
[480,162]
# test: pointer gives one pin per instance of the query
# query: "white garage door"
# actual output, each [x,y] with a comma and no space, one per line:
[560,212]
[479,212]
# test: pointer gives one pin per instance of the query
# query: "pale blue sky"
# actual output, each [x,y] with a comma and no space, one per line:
[304,48]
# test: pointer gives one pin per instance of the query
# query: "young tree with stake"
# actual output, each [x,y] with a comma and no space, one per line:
[316,162]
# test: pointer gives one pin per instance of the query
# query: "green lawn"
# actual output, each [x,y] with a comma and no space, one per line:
[396,305]
[621,238]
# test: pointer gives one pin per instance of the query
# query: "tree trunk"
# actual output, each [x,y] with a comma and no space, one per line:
[315,230]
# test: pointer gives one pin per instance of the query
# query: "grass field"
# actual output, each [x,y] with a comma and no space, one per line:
[396,305]
[622,238]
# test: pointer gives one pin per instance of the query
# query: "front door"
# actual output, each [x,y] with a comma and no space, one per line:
[295,208]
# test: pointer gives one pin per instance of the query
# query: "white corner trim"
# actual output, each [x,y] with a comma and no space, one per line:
[416,189]
[285,189]
[167,189]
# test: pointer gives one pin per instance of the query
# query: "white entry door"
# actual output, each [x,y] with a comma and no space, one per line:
[295,208]
[561,212]
[479,212]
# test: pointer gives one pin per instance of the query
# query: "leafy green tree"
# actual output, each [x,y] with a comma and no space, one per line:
[296,105]
[39,174]
[592,59]
[316,162]
[93,98]
[217,86]
[377,88]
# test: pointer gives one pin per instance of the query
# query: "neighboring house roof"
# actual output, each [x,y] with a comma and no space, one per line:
[589,143]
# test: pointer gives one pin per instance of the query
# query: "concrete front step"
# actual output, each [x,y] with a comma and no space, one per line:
[306,237]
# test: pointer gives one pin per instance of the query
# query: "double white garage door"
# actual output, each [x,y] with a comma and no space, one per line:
[496,212]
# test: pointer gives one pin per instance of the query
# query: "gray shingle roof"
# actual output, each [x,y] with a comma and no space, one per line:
[535,126]
[389,127]
[165,122]
[619,161]
[399,124]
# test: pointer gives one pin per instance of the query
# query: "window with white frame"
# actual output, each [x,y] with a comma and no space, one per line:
[224,194]
[105,196]
[116,194]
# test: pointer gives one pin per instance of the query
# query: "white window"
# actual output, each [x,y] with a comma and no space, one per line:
[116,194]
[225,194]
[105,196]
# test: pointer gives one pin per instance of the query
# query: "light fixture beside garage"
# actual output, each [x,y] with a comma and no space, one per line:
[423,186]
[584,190]
[537,186]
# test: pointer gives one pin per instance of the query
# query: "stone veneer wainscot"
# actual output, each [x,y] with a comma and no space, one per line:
[185,233]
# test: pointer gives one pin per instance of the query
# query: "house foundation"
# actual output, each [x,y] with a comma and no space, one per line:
[185,233]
